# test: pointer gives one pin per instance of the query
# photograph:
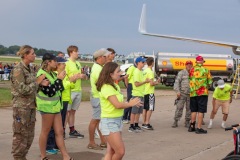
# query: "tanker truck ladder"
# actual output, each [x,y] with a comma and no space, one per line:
[236,81]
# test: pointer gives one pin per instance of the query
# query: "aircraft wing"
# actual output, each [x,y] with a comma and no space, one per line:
[142,29]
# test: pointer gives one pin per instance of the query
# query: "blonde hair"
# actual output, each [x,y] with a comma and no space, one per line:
[26,49]
[44,64]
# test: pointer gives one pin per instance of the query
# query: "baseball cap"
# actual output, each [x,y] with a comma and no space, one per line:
[221,83]
[199,58]
[140,59]
[61,60]
[48,56]
[188,62]
[101,52]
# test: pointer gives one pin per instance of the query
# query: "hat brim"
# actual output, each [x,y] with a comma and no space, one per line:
[221,86]
[200,61]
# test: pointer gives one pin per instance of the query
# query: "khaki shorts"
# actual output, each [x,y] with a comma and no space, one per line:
[96,112]
[224,104]
[76,100]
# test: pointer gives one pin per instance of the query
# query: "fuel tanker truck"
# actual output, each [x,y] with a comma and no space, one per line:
[167,65]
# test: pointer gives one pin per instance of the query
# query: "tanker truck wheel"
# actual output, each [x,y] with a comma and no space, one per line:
[214,84]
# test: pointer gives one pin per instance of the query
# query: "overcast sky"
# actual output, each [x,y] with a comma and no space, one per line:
[94,24]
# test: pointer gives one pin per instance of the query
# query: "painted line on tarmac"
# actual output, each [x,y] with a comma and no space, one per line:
[197,155]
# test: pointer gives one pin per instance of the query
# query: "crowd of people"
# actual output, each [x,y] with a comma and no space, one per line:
[6,68]
[55,92]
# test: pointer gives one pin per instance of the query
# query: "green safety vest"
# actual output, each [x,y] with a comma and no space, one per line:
[45,103]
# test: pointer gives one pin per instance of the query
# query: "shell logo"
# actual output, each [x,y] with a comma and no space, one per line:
[229,65]
[164,63]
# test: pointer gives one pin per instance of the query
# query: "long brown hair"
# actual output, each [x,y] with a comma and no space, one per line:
[105,75]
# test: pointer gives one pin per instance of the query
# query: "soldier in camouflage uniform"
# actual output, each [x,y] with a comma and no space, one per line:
[181,86]
[24,86]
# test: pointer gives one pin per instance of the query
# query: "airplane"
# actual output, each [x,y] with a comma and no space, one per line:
[142,29]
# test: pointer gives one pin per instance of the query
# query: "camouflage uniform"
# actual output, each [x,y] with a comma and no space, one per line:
[181,86]
[23,89]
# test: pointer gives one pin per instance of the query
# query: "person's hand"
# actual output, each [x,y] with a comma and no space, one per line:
[178,95]
[136,102]
[45,82]
[157,81]
[231,99]
[126,76]
[147,80]
[40,79]
[73,78]
[61,75]
[81,76]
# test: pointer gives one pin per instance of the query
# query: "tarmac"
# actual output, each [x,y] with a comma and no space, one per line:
[163,143]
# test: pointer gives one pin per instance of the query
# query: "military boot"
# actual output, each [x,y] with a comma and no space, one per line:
[175,124]
[192,127]
[187,123]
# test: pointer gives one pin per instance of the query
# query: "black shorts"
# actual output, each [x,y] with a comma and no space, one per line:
[199,104]
[149,102]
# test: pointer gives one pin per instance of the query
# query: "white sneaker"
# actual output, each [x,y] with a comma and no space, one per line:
[125,121]
[209,126]
[223,126]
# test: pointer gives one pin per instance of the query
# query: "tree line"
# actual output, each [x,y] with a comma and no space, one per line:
[12,50]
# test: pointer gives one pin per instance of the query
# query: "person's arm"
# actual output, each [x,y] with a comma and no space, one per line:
[19,83]
[51,89]
[231,94]
[121,105]
[209,77]
[126,80]
[177,84]
[137,84]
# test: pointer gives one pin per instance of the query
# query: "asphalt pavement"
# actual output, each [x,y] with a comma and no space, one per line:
[163,143]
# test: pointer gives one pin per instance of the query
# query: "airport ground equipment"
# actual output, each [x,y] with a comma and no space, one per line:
[235,154]
[167,65]
[236,81]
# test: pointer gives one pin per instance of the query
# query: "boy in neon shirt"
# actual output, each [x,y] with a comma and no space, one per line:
[138,91]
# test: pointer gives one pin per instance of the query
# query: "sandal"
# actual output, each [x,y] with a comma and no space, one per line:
[45,158]
[94,146]
[103,145]
[71,158]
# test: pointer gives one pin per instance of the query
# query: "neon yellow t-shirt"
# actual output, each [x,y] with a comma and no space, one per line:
[96,69]
[138,77]
[130,73]
[148,73]
[71,69]
[222,94]
[107,109]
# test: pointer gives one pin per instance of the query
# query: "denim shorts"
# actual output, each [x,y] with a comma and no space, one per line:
[110,125]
